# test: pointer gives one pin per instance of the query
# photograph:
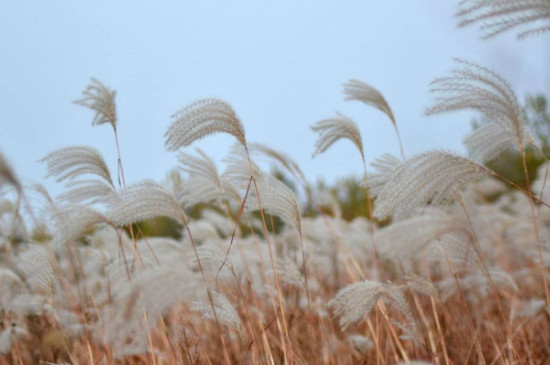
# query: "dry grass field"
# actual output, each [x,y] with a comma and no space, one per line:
[450,265]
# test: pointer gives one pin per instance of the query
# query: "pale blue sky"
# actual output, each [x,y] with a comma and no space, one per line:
[280,64]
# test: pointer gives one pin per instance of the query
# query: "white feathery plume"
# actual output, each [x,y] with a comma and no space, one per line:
[73,221]
[153,291]
[143,201]
[237,171]
[101,100]
[457,249]
[7,336]
[202,166]
[486,142]
[72,162]
[225,313]
[474,87]
[421,285]
[434,177]
[88,190]
[532,307]
[37,269]
[498,16]
[358,90]
[200,119]
[204,184]
[288,272]
[224,225]
[356,300]
[405,240]
[361,343]
[8,278]
[210,252]
[333,129]
[476,282]
[276,199]
[384,166]
[288,163]
[7,174]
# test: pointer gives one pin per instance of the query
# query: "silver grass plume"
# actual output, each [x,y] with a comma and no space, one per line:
[474,87]
[8,335]
[237,171]
[277,199]
[288,272]
[88,190]
[498,16]
[434,178]
[204,184]
[143,201]
[365,93]
[101,100]
[421,285]
[487,141]
[384,166]
[72,162]
[153,291]
[37,269]
[224,311]
[200,119]
[210,252]
[456,249]
[7,174]
[288,163]
[405,240]
[355,301]
[333,129]
[73,221]
[360,91]
[361,343]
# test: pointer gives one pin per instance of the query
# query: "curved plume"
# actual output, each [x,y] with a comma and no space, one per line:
[288,163]
[433,177]
[384,166]
[277,199]
[360,91]
[200,119]
[487,141]
[365,93]
[498,16]
[72,162]
[101,100]
[333,129]
[7,174]
[143,201]
[478,88]
[204,183]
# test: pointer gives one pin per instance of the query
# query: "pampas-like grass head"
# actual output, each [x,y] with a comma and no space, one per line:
[474,87]
[101,100]
[201,119]
[498,16]
[333,129]
[360,91]
[433,178]
[143,201]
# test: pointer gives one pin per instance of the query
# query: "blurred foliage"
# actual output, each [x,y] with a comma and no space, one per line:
[159,227]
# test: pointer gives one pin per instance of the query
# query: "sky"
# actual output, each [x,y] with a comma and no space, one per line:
[280,64]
